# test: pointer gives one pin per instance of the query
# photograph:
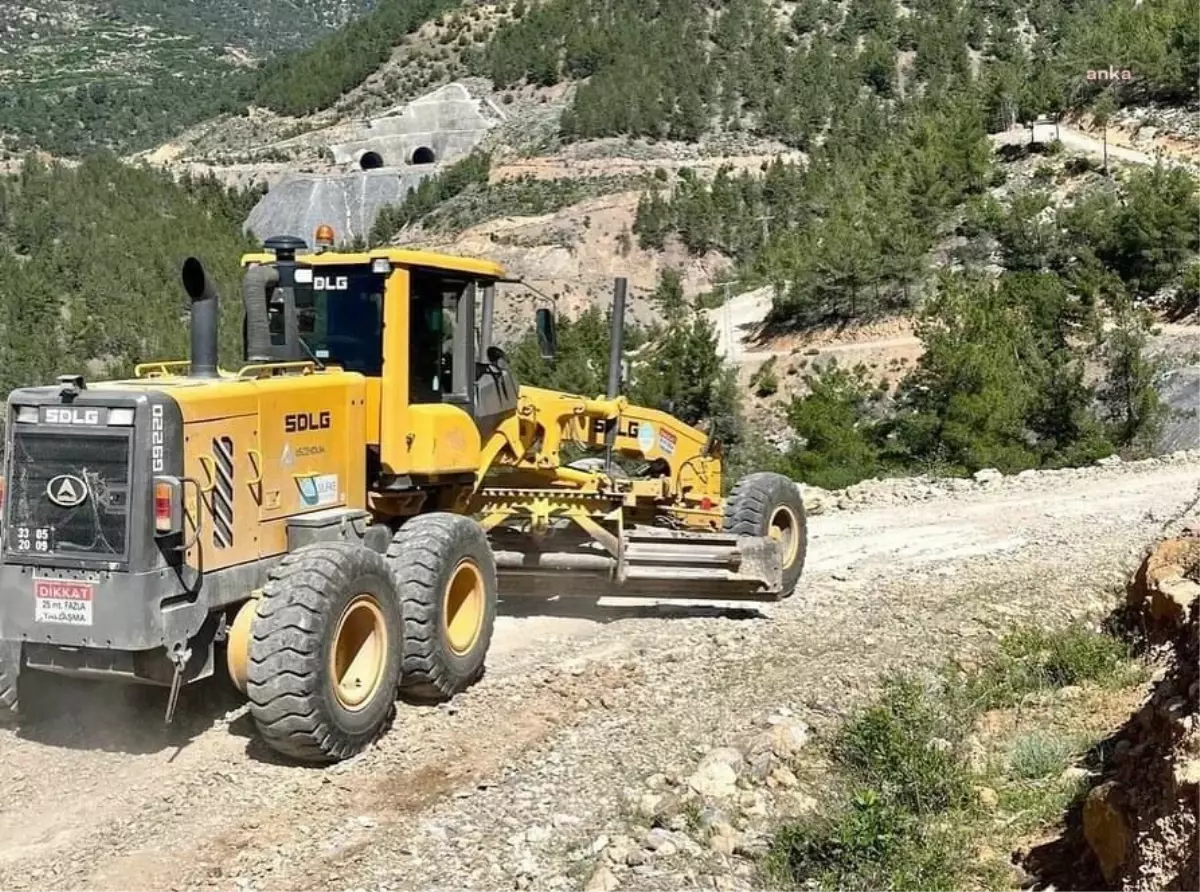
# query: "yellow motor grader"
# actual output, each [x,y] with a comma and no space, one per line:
[334,520]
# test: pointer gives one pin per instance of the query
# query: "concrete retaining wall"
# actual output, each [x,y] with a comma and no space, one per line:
[449,122]
[439,128]
[349,202]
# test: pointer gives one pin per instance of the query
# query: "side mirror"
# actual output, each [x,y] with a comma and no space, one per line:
[497,358]
[547,338]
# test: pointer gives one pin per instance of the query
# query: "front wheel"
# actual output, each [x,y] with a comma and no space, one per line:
[325,652]
[769,504]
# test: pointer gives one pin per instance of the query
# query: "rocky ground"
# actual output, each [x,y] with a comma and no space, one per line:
[609,746]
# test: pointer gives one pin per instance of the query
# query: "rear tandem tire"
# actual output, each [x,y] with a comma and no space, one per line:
[769,504]
[445,574]
[325,653]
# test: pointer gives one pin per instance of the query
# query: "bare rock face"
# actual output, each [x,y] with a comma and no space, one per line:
[1166,585]
[1141,822]
[1106,828]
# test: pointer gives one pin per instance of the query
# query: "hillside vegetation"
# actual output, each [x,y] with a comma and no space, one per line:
[894,112]
[1029,297]
[315,78]
[90,262]
[127,75]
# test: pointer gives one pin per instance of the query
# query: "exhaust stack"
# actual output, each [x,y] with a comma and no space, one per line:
[205,314]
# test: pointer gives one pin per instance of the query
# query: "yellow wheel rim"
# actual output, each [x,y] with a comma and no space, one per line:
[785,529]
[360,650]
[462,607]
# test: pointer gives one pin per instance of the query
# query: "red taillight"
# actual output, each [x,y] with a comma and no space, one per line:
[168,506]
[706,503]
[163,521]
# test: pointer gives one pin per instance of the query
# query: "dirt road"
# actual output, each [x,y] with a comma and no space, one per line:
[522,780]
[1091,144]
[741,316]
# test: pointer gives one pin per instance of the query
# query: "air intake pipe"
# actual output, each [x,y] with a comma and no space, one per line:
[285,248]
[205,313]
[256,285]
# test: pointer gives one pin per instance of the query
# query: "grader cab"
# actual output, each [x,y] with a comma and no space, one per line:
[335,520]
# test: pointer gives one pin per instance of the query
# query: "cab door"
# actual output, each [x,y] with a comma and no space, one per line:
[443,436]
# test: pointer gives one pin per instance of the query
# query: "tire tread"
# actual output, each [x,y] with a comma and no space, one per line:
[750,505]
[421,553]
[286,671]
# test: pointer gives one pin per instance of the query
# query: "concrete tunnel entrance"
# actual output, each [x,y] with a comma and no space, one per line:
[370,161]
[423,155]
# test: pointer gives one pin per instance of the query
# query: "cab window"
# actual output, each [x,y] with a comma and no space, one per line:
[440,339]
[342,321]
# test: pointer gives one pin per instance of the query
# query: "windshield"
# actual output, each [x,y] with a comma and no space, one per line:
[343,324]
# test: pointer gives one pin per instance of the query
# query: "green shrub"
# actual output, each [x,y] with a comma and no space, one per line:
[903,746]
[1039,755]
[764,380]
[1032,660]
[840,434]
[907,817]
[1080,164]
[870,845]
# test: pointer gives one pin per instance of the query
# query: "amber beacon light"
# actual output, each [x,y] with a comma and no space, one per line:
[323,238]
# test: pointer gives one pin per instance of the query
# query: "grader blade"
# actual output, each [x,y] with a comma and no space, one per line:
[651,563]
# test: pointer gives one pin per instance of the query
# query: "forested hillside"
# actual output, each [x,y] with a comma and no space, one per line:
[676,68]
[90,259]
[1029,292]
[1034,342]
[127,75]
[303,82]
[892,168]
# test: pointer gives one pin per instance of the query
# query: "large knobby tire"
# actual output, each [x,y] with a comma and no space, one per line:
[769,504]
[10,671]
[445,574]
[325,652]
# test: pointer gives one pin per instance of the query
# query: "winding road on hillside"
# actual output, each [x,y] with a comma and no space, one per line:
[739,318]
[1074,140]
